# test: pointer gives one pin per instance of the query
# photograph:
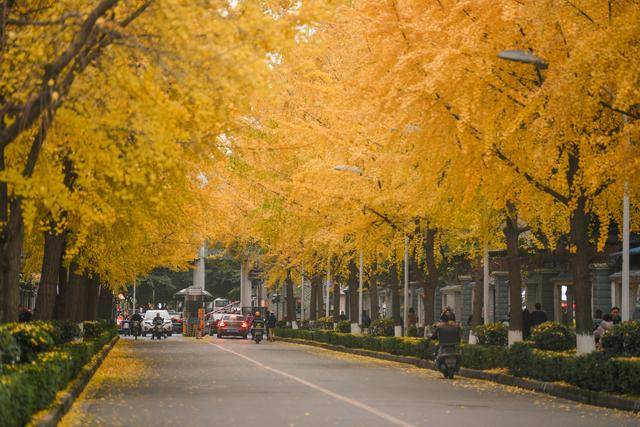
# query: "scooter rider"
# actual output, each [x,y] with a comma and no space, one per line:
[448,335]
[447,331]
[136,318]
[257,319]
[158,321]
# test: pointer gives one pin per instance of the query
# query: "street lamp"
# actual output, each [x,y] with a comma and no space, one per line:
[525,57]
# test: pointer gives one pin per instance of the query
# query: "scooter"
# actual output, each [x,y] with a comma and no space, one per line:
[126,329]
[448,360]
[135,329]
[257,333]
[157,331]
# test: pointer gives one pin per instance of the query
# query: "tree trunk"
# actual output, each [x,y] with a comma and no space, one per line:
[313,298]
[54,245]
[290,300]
[92,292]
[395,296]
[336,300]
[320,303]
[478,296]
[11,240]
[60,310]
[373,298]
[431,282]
[511,234]
[581,277]
[105,303]
[353,293]
[75,299]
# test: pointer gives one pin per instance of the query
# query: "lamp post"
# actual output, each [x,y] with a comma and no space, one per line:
[406,285]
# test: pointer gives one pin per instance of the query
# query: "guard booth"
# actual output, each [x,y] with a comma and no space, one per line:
[193,310]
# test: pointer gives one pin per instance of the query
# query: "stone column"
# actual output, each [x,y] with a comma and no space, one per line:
[501,289]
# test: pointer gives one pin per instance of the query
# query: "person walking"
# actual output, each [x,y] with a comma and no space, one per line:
[366,320]
[537,317]
[605,325]
[271,327]
[526,323]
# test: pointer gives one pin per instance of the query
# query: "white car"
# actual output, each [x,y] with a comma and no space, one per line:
[147,322]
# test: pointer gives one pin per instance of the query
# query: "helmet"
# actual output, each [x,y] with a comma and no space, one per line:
[257,313]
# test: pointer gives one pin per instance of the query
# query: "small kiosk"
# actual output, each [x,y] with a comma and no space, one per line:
[193,310]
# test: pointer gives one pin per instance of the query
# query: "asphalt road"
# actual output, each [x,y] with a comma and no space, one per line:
[187,382]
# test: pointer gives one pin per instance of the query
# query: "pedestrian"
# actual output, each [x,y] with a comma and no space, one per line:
[615,315]
[537,317]
[412,319]
[451,314]
[597,318]
[271,325]
[342,317]
[24,314]
[526,324]
[366,320]
[605,325]
[267,313]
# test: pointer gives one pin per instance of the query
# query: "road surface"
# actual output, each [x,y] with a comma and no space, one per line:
[233,382]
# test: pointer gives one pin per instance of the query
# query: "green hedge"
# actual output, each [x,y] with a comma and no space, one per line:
[553,336]
[623,339]
[484,357]
[594,371]
[401,346]
[29,387]
[382,328]
[493,334]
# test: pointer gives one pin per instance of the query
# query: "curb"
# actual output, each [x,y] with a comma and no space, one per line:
[568,392]
[65,399]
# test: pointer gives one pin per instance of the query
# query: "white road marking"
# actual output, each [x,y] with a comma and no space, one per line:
[316,387]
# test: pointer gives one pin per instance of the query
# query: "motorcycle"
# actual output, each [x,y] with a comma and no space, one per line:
[157,331]
[126,329]
[257,333]
[448,360]
[136,328]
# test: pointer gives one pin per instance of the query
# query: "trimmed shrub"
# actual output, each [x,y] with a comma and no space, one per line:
[483,357]
[324,323]
[31,338]
[553,336]
[281,324]
[494,334]
[382,328]
[524,360]
[343,326]
[95,328]
[623,339]
[415,347]
[9,349]
[31,387]
[65,331]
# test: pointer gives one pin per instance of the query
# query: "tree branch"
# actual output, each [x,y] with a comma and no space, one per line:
[530,178]
[40,101]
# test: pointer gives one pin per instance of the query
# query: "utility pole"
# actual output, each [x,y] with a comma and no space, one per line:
[360,280]
[406,285]
[485,281]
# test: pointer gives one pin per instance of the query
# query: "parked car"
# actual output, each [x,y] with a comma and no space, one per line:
[233,324]
[147,323]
